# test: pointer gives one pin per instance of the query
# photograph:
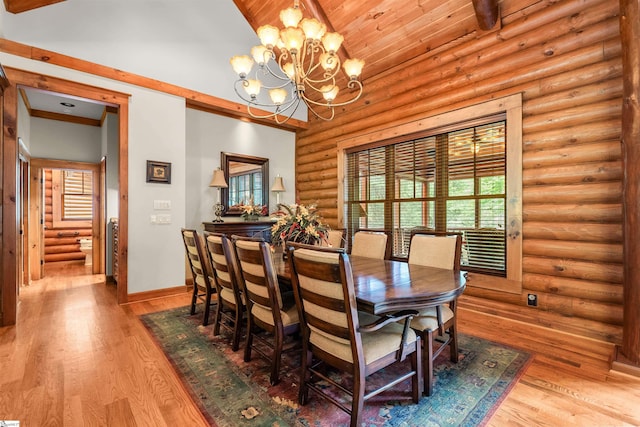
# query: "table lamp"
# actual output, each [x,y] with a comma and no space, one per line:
[218,182]
[278,187]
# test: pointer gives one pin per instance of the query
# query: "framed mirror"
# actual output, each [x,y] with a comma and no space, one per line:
[247,180]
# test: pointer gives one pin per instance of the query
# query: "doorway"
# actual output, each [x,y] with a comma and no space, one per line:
[11,260]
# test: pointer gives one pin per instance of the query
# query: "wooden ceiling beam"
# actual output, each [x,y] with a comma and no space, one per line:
[18,6]
[486,13]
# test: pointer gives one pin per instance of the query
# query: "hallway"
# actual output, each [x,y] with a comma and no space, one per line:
[76,358]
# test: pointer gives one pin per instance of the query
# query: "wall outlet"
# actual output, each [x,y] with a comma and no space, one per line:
[532,300]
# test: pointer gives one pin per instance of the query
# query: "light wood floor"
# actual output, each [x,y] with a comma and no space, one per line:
[78,359]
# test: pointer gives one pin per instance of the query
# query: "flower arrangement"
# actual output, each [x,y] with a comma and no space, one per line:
[298,223]
[252,212]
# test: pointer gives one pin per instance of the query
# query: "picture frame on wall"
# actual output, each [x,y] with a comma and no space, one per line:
[158,172]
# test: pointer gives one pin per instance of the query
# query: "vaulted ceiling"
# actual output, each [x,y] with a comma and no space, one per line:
[384,33]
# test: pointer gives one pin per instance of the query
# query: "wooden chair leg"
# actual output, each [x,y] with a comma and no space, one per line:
[358,400]
[217,319]
[305,377]
[207,309]
[453,345]
[237,328]
[277,357]
[427,357]
[194,299]
[416,366]
[249,341]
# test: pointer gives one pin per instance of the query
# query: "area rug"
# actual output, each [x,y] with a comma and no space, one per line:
[231,392]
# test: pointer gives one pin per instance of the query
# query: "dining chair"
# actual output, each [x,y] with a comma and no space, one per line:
[441,250]
[371,244]
[202,289]
[336,238]
[231,306]
[335,334]
[268,309]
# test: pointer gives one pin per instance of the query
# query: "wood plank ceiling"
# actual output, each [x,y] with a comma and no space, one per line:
[384,33]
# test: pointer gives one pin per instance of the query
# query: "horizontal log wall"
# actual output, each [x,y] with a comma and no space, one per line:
[565,59]
[60,244]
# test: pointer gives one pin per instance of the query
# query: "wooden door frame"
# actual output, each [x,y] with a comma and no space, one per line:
[10,174]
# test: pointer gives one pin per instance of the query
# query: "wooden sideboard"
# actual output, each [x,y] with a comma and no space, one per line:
[241,228]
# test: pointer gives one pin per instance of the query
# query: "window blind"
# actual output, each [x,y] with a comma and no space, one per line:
[77,195]
[445,180]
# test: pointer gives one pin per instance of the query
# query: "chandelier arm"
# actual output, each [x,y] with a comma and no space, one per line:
[267,71]
[279,110]
[318,115]
[352,84]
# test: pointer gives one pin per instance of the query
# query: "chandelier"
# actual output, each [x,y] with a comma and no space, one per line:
[307,67]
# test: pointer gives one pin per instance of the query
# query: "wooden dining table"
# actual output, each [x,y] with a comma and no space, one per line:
[386,286]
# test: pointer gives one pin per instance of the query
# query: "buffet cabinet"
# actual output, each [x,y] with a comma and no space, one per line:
[241,228]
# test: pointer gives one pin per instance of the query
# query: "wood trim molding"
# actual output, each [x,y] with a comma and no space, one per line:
[193,98]
[158,293]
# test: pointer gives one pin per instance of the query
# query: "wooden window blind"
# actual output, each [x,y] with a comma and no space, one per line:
[77,194]
[449,179]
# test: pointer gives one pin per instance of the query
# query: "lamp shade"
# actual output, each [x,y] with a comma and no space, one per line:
[278,185]
[218,179]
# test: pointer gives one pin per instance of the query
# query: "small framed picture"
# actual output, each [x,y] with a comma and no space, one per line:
[158,172]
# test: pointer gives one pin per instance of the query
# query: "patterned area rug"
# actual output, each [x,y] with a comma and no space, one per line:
[231,392]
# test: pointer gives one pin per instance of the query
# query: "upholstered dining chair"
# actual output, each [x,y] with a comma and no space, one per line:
[336,238]
[335,334]
[441,250]
[202,288]
[371,244]
[268,309]
[231,306]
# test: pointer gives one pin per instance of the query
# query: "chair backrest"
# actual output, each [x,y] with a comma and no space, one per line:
[323,285]
[197,260]
[335,238]
[435,249]
[224,266]
[257,274]
[371,244]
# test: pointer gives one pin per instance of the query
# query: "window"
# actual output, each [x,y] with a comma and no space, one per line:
[241,187]
[72,197]
[77,193]
[452,180]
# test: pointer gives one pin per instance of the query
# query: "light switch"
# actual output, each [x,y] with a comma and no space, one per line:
[162,204]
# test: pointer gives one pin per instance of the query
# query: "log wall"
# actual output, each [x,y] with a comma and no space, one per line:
[565,59]
[60,244]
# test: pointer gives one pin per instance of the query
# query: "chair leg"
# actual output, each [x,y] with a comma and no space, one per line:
[453,345]
[217,319]
[358,399]
[207,309]
[194,299]
[277,357]
[237,328]
[305,376]
[416,366]
[427,357]
[249,342]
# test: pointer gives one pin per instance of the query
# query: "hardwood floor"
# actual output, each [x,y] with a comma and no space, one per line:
[78,359]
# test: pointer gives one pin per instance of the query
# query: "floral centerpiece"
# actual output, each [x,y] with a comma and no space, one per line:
[252,212]
[298,223]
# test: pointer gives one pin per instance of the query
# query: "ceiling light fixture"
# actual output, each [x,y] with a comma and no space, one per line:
[308,64]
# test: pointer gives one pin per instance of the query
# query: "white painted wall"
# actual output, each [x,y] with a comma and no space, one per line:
[24,124]
[53,139]
[208,135]
[160,128]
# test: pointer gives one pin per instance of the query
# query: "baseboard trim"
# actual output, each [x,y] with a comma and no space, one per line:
[157,293]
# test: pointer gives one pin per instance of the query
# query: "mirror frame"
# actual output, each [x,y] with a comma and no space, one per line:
[225,159]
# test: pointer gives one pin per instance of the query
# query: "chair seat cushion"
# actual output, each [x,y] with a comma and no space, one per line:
[428,320]
[289,317]
[375,344]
